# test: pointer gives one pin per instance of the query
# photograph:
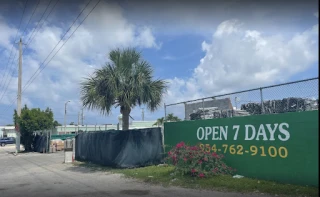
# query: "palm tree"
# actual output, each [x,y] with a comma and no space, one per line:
[170,118]
[125,82]
[159,122]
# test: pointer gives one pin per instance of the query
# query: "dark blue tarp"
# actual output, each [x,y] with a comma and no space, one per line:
[122,149]
[39,143]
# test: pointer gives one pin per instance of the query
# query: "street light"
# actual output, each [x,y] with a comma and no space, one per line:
[65,116]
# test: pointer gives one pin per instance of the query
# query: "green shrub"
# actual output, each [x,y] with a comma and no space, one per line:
[191,160]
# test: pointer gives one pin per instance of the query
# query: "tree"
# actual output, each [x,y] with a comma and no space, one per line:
[32,120]
[170,118]
[56,123]
[126,81]
[159,122]
[71,123]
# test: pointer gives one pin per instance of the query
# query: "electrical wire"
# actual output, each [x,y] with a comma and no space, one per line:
[56,47]
[5,72]
[27,85]
[34,10]
[31,38]
[33,33]
[11,76]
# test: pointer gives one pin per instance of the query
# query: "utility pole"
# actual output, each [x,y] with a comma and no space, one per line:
[65,116]
[19,97]
[78,118]
[82,117]
[142,114]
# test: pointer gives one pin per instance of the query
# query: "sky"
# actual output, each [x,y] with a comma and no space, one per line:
[202,48]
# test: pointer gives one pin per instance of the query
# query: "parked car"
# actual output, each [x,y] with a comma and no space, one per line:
[7,140]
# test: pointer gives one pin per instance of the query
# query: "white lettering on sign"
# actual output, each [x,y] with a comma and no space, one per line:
[284,131]
[263,132]
[253,132]
[272,131]
[215,132]
[236,127]
[224,132]
[208,132]
[200,129]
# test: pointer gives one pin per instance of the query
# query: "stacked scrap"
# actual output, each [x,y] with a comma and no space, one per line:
[214,112]
[270,107]
[281,106]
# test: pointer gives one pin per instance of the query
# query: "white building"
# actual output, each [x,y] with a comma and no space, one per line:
[71,129]
[7,131]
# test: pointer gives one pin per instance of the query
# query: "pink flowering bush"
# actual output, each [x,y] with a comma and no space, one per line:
[191,160]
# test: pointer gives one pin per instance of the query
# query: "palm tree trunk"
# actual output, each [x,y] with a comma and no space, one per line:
[125,119]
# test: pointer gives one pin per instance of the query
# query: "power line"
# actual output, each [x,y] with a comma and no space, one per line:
[5,72]
[55,47]
[27,85]
[34,10]
[33,33]
[11,76]
[31,38]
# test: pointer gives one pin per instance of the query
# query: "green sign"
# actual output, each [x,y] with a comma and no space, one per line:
[278,147]
[62,137]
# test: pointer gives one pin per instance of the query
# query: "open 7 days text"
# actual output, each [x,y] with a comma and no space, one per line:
[265,132]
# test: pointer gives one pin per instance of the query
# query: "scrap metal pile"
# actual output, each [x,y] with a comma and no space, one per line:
[214,112]
[270,107]
[281,106]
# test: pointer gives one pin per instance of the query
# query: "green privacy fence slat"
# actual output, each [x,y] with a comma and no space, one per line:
[278,147]
[62,137]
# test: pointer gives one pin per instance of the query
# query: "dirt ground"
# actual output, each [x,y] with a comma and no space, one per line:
[36,174]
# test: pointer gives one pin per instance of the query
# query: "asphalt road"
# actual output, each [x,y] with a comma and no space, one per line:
[36,174]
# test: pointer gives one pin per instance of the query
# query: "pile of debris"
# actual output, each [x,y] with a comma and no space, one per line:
[282,106]
[214,112]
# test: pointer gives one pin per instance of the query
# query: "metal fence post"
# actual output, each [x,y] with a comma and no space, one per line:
[185,118]
[203,109]
[165,112]
[262,105]
[47,148]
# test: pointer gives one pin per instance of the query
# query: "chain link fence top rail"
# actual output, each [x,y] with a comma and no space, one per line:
[294,96]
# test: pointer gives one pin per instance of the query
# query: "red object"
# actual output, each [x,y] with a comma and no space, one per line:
[201,175]
[17,128]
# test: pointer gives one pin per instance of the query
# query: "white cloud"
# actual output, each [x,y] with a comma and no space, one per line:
[104,30]
[316,14]
[238,56]
[227,27]
[7,33]
[237,59]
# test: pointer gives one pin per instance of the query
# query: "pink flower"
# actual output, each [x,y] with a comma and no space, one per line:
[193,171]
[185,159]
[215,155]
[201,175]
[179,145]
[199,162]
[193,148]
